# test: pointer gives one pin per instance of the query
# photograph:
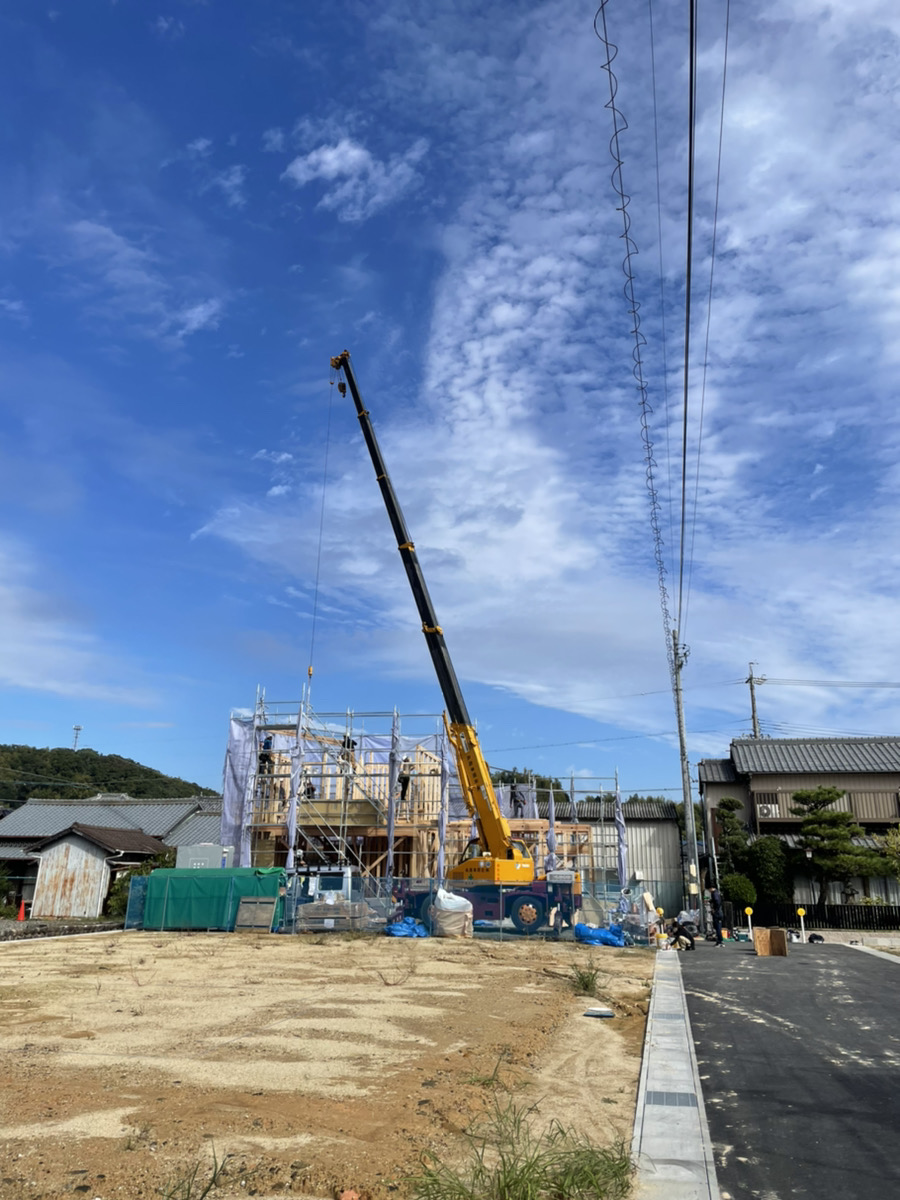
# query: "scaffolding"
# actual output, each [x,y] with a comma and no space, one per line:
[362,789]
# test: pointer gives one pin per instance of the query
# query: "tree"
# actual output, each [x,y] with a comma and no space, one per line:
[739,890]
[768,868]
[732,840]
[828,833]
[61,773]
[541,782]
[117,900]
[890,848]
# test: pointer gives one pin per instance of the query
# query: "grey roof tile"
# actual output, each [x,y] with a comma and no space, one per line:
[760,756]
[716,770]
[200,827]
[605,810]
[38,818]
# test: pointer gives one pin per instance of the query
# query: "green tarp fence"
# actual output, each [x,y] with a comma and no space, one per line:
[201,898]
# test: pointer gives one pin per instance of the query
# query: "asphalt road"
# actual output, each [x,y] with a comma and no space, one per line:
[799,1060]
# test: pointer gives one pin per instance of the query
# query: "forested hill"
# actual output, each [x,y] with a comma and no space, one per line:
[79,774]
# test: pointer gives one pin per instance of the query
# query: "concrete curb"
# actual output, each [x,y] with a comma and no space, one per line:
[671,1143]
[878,953]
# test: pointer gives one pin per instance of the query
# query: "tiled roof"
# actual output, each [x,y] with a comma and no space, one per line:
[605,810]
[38,819]
[115,840]
[760,756]
[716,770]
[35,821]
[793,840]
[15,850]
[201,827]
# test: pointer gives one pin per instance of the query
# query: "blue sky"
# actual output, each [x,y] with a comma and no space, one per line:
[200,203]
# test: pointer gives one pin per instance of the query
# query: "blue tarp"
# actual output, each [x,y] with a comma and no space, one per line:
[589,935]
[407,927]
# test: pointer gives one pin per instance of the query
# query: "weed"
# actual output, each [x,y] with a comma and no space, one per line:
[142,1133]
[493,1080]
[508,1160]
[584,978]
[137,979]
[403,973]
[189,1186]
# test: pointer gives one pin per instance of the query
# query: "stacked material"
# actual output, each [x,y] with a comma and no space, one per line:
[333,913]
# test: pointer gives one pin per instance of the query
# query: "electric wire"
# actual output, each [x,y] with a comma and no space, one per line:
[616,178]
[854,683]
[625,737]
[692,124]
[662,276]
[709,300]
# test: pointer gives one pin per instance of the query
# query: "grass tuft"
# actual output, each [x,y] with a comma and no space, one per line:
[584,978]
[508,1160]
[195,1184]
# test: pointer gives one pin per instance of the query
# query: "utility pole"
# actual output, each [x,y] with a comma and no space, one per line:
[680,654]
[76,729]
[753,682]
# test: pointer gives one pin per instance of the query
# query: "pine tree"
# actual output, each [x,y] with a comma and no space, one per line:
[732,840]
[829,834]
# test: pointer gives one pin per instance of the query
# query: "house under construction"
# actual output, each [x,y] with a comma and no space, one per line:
[376,791]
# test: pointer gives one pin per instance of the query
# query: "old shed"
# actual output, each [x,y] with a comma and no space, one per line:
[78,864]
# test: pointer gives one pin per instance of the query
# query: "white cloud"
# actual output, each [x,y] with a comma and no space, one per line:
[273,140]
[14,309]
[230,183]
[200,147]
[169,27]
[125,279]
[280,489]
[358,184]
[205,315]
[521,467]
[43,649]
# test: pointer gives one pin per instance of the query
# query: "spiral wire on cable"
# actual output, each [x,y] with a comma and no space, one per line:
[633,308]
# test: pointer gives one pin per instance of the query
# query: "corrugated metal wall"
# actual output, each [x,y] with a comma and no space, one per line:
[654,849]
[72,881]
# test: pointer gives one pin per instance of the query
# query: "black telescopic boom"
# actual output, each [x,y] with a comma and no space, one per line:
[434,635]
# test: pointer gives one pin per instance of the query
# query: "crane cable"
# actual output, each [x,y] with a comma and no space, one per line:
[315,611]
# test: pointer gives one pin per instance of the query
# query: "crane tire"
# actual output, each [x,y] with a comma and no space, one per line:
[527,913]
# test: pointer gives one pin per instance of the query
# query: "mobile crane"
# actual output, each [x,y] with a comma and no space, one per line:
[496,873]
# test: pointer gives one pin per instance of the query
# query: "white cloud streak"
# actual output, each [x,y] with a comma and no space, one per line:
[42,649]
[121,277]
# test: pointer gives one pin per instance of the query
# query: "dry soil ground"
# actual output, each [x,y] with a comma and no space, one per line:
[316,1063]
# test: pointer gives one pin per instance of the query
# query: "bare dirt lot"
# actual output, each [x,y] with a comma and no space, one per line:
[317,1063]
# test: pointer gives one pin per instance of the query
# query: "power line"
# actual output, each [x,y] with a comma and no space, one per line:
[625,737]
[712,270]
[692,124]
[853,683]
[619,126]
[662,276]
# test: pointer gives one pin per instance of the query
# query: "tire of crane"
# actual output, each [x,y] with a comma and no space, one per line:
[527,914]
[424,910]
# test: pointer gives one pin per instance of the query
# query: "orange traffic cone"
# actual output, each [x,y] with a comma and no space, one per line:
[21,916]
